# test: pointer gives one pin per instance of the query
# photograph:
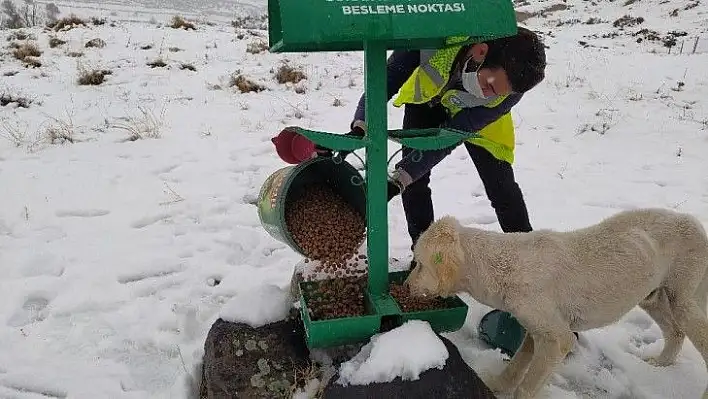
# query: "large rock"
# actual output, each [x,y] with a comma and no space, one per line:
[245,362]
[269,362]
[455,380]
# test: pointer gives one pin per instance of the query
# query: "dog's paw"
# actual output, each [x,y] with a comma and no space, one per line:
[658,361]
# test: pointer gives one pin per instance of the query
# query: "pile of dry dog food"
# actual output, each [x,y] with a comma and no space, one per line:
[336,298]
[327,228]
[330,231]
[409,303]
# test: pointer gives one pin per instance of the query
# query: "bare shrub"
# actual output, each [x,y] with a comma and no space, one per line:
[13,132]
[158,63]
[27,49]
[11,98]
[93,77]
[13,18]
[245,85]
[55,42]
[174,49]
[256,46]
[178,22]
[60,131]
[74,54]
[190,67]
[251,22]
[95,43]
[288,74]
[98,21]
[20,35]
[68,23]
[33,62]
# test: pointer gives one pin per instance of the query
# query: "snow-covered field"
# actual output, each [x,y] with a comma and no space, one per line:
[116,255]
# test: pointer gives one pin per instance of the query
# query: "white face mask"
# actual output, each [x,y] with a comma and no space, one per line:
[470,81]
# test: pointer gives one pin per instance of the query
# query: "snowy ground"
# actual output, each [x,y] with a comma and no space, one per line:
[116,256]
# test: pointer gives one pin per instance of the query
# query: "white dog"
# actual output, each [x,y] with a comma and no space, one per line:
[555,283]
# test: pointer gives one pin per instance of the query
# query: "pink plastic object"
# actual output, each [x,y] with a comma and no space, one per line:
[293,148]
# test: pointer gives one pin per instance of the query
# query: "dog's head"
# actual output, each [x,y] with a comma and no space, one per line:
[439,255]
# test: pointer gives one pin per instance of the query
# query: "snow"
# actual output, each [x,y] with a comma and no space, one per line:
[116,256]
[389,355]
[258,306]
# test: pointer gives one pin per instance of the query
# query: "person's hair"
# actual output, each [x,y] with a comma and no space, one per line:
[522,56]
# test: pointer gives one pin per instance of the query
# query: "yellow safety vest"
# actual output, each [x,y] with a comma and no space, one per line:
[428,80]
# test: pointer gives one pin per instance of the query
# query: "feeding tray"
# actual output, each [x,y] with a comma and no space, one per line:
[378,315]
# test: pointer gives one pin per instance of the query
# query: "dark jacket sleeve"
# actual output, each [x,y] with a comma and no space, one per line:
[477,118]
[399,67]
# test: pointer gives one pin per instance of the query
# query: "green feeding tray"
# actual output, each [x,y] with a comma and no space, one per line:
[379,314]
[374,27]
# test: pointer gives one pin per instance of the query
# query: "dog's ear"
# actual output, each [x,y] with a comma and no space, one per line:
[445,229]
[447,267]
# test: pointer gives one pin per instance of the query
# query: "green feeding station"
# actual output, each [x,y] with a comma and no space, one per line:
[375,27]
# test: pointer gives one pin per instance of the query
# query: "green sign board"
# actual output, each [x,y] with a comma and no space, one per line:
[343,25]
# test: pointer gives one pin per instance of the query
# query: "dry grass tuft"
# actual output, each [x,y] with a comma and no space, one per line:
[142,126]
[32,62]
[24,50]
[257,46]
[93,77]
[68,23]
[178,22]
[20,35]
[55,42]
[244,84]
[9,98]
[96,43]
[158,63]
[288,74]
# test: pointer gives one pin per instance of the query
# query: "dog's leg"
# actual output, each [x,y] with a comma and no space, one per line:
[693,321]
[657,306]
[510,378]
[552,341]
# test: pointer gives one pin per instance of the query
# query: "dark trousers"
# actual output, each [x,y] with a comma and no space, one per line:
[497,177]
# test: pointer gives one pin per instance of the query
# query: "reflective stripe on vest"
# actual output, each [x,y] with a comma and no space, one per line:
[428,80]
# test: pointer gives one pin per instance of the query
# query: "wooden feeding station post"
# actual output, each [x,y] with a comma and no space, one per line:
[375,27]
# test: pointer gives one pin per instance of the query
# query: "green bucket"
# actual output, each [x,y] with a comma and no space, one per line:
[285,185]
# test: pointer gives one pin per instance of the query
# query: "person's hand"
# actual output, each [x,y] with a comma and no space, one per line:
[355,132]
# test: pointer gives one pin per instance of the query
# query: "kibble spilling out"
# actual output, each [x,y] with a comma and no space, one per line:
[327,228]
